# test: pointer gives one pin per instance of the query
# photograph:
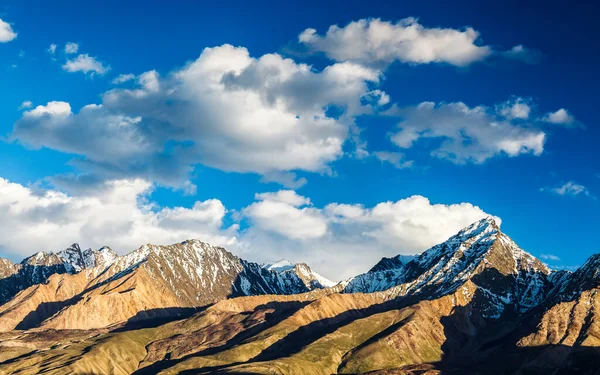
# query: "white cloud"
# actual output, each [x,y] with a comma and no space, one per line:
[570,188]
[52,48]
[86,64]
[116,214]
[515,108]
[374,42]
[71,48]
[121,78]
[561,117]
[397,159]
[284,196]
[6,32]
[341,240]
[26,104]
[283,213]
[226,110]
[549,257]
[468,134]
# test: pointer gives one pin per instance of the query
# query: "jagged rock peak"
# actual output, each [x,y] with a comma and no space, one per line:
[567,285]
[591,266]
[479,253]
[74,247]
[395,262]
[485,227]
[42,258]
[77,260]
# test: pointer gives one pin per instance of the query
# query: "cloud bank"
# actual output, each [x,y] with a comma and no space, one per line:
[338,239]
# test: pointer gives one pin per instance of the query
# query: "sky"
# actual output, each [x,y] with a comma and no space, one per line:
[331,133]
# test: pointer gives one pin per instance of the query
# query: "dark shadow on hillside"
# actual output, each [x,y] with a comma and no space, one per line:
[17,358]
[282,310]
[298,339]
[11,286]
[156,317]
[492,346]
[44,311]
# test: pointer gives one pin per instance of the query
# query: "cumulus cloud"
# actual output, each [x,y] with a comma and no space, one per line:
[342,240]
[469,134]
[562,117]
[226,110]
[570,189]
[374,42]
[122,78]
[71,48]
[52,48]
[283,213]
[86,64]
[116,214]
[6,32]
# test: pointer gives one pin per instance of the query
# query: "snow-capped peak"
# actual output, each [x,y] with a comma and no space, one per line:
[309,277]
[480,253]
[279,266]
[77,260]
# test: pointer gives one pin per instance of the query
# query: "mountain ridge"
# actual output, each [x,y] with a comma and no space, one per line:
[190,274]
[476,303]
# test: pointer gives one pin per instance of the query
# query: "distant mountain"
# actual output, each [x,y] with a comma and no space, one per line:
[7,268]
[311,279]
[149,282]
[77,260]
[37,268]
[279,266]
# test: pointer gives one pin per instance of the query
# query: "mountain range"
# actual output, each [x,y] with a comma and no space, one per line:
[474,304]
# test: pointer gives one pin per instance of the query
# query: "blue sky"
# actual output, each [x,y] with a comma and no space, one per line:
[182,158]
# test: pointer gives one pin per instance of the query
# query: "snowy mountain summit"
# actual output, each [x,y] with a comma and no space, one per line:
[281,265]
[310,278]
[77,260]
[481,254]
